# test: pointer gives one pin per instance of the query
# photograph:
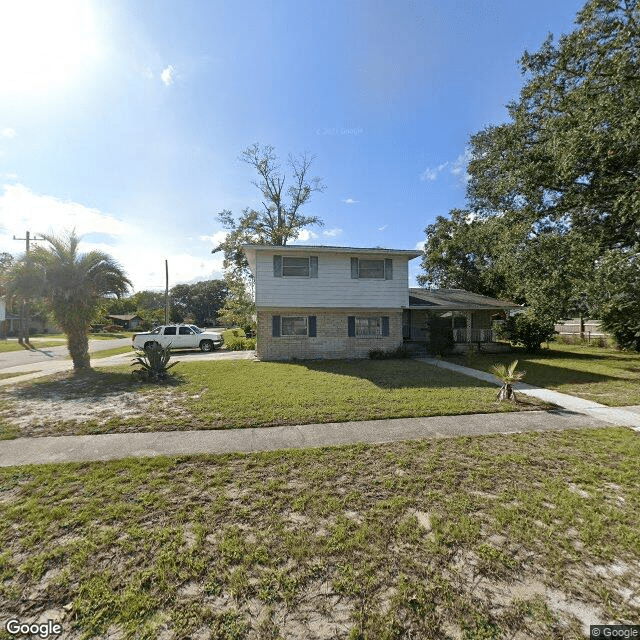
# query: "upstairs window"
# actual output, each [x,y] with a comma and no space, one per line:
[381,269]
[295,266]
[292,267]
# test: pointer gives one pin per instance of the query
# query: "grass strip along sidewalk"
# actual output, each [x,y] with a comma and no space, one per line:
[242,393]
[603,375]
[477,538]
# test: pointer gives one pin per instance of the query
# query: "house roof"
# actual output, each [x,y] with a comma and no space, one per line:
[126,316]
[250,250]
[451,299]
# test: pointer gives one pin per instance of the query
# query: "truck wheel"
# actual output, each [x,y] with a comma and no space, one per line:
[206,345]
[152,344]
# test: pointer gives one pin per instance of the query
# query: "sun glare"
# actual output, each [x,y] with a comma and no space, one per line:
[45,45]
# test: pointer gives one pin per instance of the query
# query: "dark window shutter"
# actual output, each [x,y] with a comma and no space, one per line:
[385,325]
[277,266]
[351,326]
[388,269]
[313,267]
[312,326]
[354,267]
[275,326]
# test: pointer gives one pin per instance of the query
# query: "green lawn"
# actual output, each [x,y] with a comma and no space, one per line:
[96,355]
[14,374]
[604,375]
[531,536]
[37,343]
[244,393]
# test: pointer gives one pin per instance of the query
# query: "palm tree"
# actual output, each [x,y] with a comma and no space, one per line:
[73,284]
[507,375]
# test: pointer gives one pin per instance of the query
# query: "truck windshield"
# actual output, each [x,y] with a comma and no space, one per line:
[196,329]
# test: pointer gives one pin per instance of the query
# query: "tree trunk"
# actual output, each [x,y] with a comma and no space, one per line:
[506,393]
[78,345]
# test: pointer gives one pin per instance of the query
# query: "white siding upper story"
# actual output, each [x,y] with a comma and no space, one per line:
[334,286]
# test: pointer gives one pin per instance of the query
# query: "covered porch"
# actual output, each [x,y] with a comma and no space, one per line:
[467,316]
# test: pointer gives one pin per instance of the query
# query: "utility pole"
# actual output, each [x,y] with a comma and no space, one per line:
[25,320]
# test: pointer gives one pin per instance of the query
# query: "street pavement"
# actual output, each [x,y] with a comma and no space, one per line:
[28,357]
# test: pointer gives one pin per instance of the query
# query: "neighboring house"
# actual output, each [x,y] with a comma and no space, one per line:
[10,323]
[126,321]
[341,302]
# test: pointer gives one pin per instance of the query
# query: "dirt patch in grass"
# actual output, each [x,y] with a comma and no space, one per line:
[472,538]
[84,403]
[241,393]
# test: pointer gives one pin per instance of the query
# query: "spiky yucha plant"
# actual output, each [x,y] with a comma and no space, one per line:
[154,363]
[508,376]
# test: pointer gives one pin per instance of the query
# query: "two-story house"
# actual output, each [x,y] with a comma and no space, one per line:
[341,302]
[328,302]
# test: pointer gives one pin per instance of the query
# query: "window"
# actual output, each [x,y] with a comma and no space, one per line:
[294,326]
[371,268]
[185,331]
[368,327]
[290,267]
[372,327]
[169,331]
[295,266]
[381,269]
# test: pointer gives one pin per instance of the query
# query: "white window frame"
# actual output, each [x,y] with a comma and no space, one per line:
[361,260]
[294,335]
[360,330]
[306,275]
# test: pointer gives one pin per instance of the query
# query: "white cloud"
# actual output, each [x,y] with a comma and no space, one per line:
[459,167]
[383,227]
[28,210]
[420,246]
[350,201]
[167,75]
[8,133]
[305,235]
[332,233]
[430,174]
[216,238]
[21,209]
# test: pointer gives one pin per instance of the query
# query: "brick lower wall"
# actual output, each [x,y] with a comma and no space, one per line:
[331,341]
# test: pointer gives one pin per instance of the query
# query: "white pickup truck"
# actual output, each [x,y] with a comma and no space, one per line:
[179,336]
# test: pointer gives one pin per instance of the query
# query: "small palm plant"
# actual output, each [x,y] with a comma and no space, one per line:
[507,375]
[154,363]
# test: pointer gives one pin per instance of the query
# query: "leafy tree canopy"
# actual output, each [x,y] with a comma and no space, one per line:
[556,188]
[74,283]
[239,309]
[201,301]
[280,218]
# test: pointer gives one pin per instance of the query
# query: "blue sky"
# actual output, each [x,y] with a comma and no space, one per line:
[125,120]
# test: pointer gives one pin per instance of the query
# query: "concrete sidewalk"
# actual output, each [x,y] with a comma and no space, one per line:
[572,413]
[121,445]
[627,417]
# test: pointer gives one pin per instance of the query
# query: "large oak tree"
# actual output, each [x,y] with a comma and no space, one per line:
[556,188]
